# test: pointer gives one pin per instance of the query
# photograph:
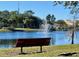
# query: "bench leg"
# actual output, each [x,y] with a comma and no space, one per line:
[41,49]
[21,50]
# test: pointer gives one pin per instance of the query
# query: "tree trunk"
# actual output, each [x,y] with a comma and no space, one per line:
[72,37]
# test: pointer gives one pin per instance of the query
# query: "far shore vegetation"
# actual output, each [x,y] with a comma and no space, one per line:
[10,20]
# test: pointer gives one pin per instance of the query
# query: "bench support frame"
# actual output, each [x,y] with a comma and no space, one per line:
[24,53]
[21,50]
[41,49]
[29,42]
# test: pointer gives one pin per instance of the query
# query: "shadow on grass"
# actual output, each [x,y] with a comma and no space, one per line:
[31,52]
[39,52]
[68,54]
[24,53]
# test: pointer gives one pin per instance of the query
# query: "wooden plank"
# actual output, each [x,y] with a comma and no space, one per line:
[32,42]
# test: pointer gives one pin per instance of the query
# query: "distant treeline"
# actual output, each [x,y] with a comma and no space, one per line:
[14,19]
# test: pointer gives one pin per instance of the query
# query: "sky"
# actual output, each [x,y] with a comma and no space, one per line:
[41,8]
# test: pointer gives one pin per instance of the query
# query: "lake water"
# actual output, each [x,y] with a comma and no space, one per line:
[8,39]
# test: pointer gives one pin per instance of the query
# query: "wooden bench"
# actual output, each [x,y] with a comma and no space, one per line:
[29,42]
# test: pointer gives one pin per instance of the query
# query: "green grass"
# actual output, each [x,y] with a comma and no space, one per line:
[4,30]
[48,51]
[24,29]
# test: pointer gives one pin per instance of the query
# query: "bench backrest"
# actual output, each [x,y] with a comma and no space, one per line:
[32,42]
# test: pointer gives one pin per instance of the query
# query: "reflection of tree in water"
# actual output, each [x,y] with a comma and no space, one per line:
[53,37]
[7,42]
[52,41]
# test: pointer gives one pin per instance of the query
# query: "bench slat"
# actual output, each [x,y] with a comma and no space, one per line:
[32,42]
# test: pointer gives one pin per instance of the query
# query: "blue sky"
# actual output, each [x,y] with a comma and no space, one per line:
[41,8]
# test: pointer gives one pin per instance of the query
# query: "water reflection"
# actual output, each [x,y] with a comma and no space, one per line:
[8,39]
[7,43]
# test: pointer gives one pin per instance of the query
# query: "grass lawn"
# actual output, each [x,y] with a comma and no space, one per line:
[24,29]
[48,51]
[4,30]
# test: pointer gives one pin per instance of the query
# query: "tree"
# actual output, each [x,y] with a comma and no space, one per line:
[33,22]
[50,19]
[72,5]
[13,19]
[74,10]
[53,19]
[30,20]
[4,16]
[20,22]
[28,13]
[27,18]
[36,22]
